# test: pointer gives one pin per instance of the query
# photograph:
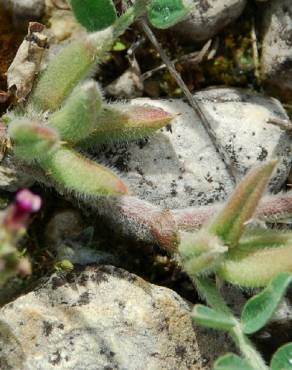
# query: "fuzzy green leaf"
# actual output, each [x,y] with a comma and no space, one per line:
[211,318]
[94,15]
[76,119]
[67,68]
[282,359]
[79,174]
[32,140]
[124,122]
[260,308]
[254,268]
[229,224]
[231,361]
[257,238]
[209,292]
[166,13]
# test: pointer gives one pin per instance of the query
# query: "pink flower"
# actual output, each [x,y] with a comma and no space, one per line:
[18,213]
[27,202]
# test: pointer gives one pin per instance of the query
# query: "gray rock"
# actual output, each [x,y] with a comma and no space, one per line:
[208,17]
[67,235]
[179,167]
[128,85]
[25,9]
[64,224]
[104,318]
[78,254]
[239,119]
[276,59]
[12,179]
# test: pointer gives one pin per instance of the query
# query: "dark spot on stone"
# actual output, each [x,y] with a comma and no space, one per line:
[107,353]
[70,277]
[168,157]
[139,170]
[168,127]
[263,154]
[180,351]
[232,153]
[220,187]
[47,328]
[55,358]
[83,279]
[204,5]
[83,299]
[121,164]
[61,326]
[131,278]
[142,142]
[122,304]
[209,178]
[99,277]
[57,282]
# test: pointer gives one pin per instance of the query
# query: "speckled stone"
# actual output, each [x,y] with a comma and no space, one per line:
[276,59]
[179,167]
[207,18]
[104,318]
[11,179]
[25,9]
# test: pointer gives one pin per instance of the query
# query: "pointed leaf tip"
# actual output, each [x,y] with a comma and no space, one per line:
[229,223]
[120,122]
[32,140]
[149,115]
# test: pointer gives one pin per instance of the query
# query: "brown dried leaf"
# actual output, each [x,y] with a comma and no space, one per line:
[27,62]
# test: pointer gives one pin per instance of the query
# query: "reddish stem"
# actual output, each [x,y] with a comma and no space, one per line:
[148,223]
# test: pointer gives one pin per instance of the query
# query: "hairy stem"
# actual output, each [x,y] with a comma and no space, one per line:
[246,348]
[272,208]
[210,293]
[130,15]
